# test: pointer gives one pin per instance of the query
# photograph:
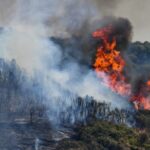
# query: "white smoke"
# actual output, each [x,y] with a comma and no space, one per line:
[28,46]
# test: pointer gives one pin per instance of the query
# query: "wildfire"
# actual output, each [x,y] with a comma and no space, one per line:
[109,66]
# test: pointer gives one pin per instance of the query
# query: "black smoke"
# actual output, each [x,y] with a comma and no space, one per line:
[81,48]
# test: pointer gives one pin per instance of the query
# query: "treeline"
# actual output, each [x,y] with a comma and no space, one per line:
[87,109]
[22,97]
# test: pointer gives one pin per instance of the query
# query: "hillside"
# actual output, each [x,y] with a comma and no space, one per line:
[107,136]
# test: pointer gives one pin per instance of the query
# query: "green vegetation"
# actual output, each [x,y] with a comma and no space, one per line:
[102,135]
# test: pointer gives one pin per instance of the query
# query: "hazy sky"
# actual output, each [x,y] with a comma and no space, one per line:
[137,11]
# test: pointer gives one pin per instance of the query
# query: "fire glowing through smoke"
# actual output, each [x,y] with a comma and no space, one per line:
[109,66]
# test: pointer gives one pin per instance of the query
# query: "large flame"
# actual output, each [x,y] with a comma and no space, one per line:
[109,61]
[109,66]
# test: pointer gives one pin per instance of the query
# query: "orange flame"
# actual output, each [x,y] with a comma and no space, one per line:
[109,66]
[142,99]
[109,61]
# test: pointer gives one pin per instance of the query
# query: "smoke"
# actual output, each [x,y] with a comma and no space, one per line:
[64,17]
[121,29]
[137,63]
[68,15]
[25,42]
